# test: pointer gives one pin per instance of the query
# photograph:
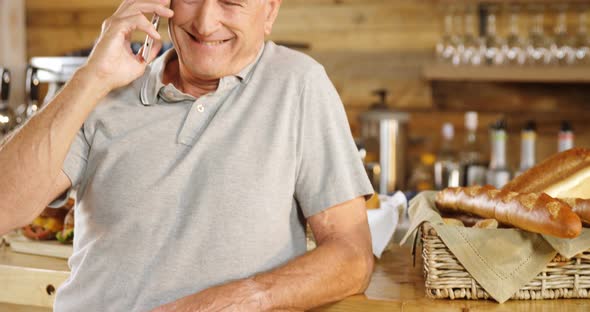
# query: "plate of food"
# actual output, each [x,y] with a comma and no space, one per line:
[49,234]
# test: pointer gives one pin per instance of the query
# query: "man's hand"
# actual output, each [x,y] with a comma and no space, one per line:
[237,296]
[112,59]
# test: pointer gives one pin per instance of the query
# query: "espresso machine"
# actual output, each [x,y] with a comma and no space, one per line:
[55,72]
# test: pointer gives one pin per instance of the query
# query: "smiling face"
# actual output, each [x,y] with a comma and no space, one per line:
[217,38]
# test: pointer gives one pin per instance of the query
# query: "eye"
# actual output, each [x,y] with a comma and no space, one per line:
[232,3]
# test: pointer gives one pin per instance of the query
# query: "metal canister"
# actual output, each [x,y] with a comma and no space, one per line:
[385,135]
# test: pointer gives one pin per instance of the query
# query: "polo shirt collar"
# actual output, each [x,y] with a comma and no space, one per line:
[153,87]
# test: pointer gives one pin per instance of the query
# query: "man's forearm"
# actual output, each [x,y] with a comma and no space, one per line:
[331,272]
[32,157]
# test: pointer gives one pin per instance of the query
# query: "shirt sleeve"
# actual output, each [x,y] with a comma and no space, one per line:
[74,166]
[330,170]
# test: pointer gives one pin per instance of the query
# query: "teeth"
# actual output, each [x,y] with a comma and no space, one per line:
[211,43]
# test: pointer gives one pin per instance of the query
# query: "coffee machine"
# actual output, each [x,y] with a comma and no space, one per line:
[384,133]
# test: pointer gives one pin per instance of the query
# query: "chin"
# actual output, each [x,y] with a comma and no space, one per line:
[207,73]
[205,70]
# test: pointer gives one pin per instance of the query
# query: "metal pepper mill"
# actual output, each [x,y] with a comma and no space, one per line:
[32,90]
[7,116]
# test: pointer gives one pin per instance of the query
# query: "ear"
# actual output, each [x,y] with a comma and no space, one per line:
[271,10]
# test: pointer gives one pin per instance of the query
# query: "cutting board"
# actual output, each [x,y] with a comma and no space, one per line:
[53,248]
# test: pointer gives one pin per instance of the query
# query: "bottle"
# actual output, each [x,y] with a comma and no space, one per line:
[446,167]
[7,116]
[421,178]
[528,138]
[473,167]
[565,138]
[498,173]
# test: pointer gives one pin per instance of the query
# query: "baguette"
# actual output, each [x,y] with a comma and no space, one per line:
[467,219]
[561,175]
[533,212]
[453,222]
[486,224]
[580,206]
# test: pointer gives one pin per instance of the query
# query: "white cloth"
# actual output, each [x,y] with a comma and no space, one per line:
[383,221]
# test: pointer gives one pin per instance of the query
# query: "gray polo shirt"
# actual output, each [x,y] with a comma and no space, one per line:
[177,194]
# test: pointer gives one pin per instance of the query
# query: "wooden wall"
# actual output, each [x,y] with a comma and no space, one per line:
[364,45]
[13,46]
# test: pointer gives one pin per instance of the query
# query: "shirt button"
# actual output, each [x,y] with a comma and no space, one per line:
[200,108]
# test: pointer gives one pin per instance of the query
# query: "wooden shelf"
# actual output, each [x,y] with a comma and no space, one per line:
[549,74]
[511,1]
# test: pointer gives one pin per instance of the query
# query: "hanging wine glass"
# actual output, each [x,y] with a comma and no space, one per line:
[562,47]
[538,44]
[449,44]
[472,44]
[513,48]
[582,38]
[492,43]
[458,30]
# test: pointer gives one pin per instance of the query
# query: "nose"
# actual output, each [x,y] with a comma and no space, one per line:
[207,18]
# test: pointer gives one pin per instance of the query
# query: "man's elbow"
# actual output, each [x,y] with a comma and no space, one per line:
[360,268]
[365,269]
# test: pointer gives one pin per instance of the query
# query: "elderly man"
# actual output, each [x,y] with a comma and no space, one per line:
[196,175]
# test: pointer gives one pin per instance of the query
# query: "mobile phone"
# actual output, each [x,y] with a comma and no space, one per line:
[149,41]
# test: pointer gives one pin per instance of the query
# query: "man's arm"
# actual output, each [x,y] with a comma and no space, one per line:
[31,159]
[340,266]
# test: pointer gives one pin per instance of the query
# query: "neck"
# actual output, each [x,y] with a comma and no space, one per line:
[183,82]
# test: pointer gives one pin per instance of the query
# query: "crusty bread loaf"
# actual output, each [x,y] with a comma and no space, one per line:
[580,206]
[551,175]
[453,222]
[467,219]
[564,175]
[538,213]
[486,224]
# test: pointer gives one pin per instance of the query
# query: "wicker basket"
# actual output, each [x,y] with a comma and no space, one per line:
[446,278]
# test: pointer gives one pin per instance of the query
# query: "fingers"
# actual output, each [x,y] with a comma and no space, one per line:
[137,22]
[134,7]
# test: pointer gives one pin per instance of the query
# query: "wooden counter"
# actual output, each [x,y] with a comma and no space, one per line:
[396,286]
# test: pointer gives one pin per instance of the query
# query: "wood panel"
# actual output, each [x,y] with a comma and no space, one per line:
[364,45]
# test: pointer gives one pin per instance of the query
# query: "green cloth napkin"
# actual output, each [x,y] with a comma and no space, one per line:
[501,260]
